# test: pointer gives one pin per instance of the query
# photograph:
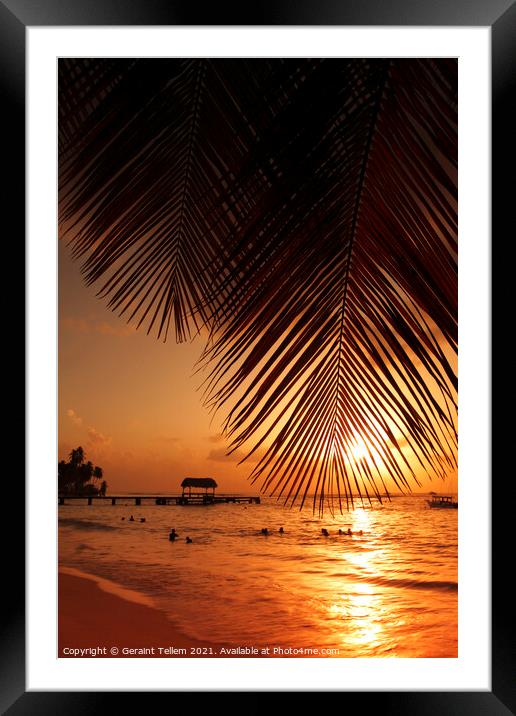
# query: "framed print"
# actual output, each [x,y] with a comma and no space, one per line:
[213,182]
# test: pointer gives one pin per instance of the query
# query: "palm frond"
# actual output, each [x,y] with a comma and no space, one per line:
[335,323]
[152,174]
[305,212]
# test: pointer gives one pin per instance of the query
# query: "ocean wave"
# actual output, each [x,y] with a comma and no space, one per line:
[81,524]
[398,582]
[432,585]
[422,584]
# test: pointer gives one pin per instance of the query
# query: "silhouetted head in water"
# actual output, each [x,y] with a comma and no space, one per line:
[131,519]
[172,535]
[188,540]
[281,530]
[265,531]
[142,519]
[340,531]
[123,518]
[325,532]
[349,532]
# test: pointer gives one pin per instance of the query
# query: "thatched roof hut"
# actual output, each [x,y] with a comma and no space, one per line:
[203,482]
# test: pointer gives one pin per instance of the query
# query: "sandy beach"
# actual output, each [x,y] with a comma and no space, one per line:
[97,616]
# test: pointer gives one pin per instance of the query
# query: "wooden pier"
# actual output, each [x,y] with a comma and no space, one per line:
[194,498]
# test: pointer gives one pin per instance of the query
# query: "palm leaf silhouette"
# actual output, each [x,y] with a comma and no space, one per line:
[304,212]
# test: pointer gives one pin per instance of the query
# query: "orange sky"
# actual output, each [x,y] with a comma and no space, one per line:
[131,401]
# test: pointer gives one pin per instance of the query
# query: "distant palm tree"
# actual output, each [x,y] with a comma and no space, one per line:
[304,211]
[77,457]
[84,475]
[74,475]
[97,473]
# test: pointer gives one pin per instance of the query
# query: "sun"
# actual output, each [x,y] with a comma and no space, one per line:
[359,449]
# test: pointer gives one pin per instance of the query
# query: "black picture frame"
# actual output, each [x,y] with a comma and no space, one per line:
[500,16]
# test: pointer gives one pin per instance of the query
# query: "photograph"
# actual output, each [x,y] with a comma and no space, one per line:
[258,254]
[257,374]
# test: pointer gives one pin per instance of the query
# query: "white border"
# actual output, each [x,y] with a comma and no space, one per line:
[471,671]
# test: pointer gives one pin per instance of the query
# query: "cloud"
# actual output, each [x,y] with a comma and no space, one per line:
[167,439]
[97,438]
[76,420]
[220,456]
[84,326]
[75,325]
[106,329]
[215,438]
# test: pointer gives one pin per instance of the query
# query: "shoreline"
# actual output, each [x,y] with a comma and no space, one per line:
[97,617]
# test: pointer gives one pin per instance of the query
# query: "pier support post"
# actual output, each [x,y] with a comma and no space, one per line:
[61,500]
[137,500]
[90,500]
[113,500]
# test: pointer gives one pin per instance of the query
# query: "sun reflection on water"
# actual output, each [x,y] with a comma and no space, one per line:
[361,608]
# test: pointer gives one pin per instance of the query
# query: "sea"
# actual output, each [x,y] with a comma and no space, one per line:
[390,591]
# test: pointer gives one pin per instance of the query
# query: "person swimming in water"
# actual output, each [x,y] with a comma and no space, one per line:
[131,519]
[325,532]
[173,534]
[265,531]
[281,530]
[188,540]
[142,519]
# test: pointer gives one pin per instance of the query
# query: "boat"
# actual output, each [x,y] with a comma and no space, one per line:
[441,501]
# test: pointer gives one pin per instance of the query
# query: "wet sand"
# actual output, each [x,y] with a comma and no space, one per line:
[94,614]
